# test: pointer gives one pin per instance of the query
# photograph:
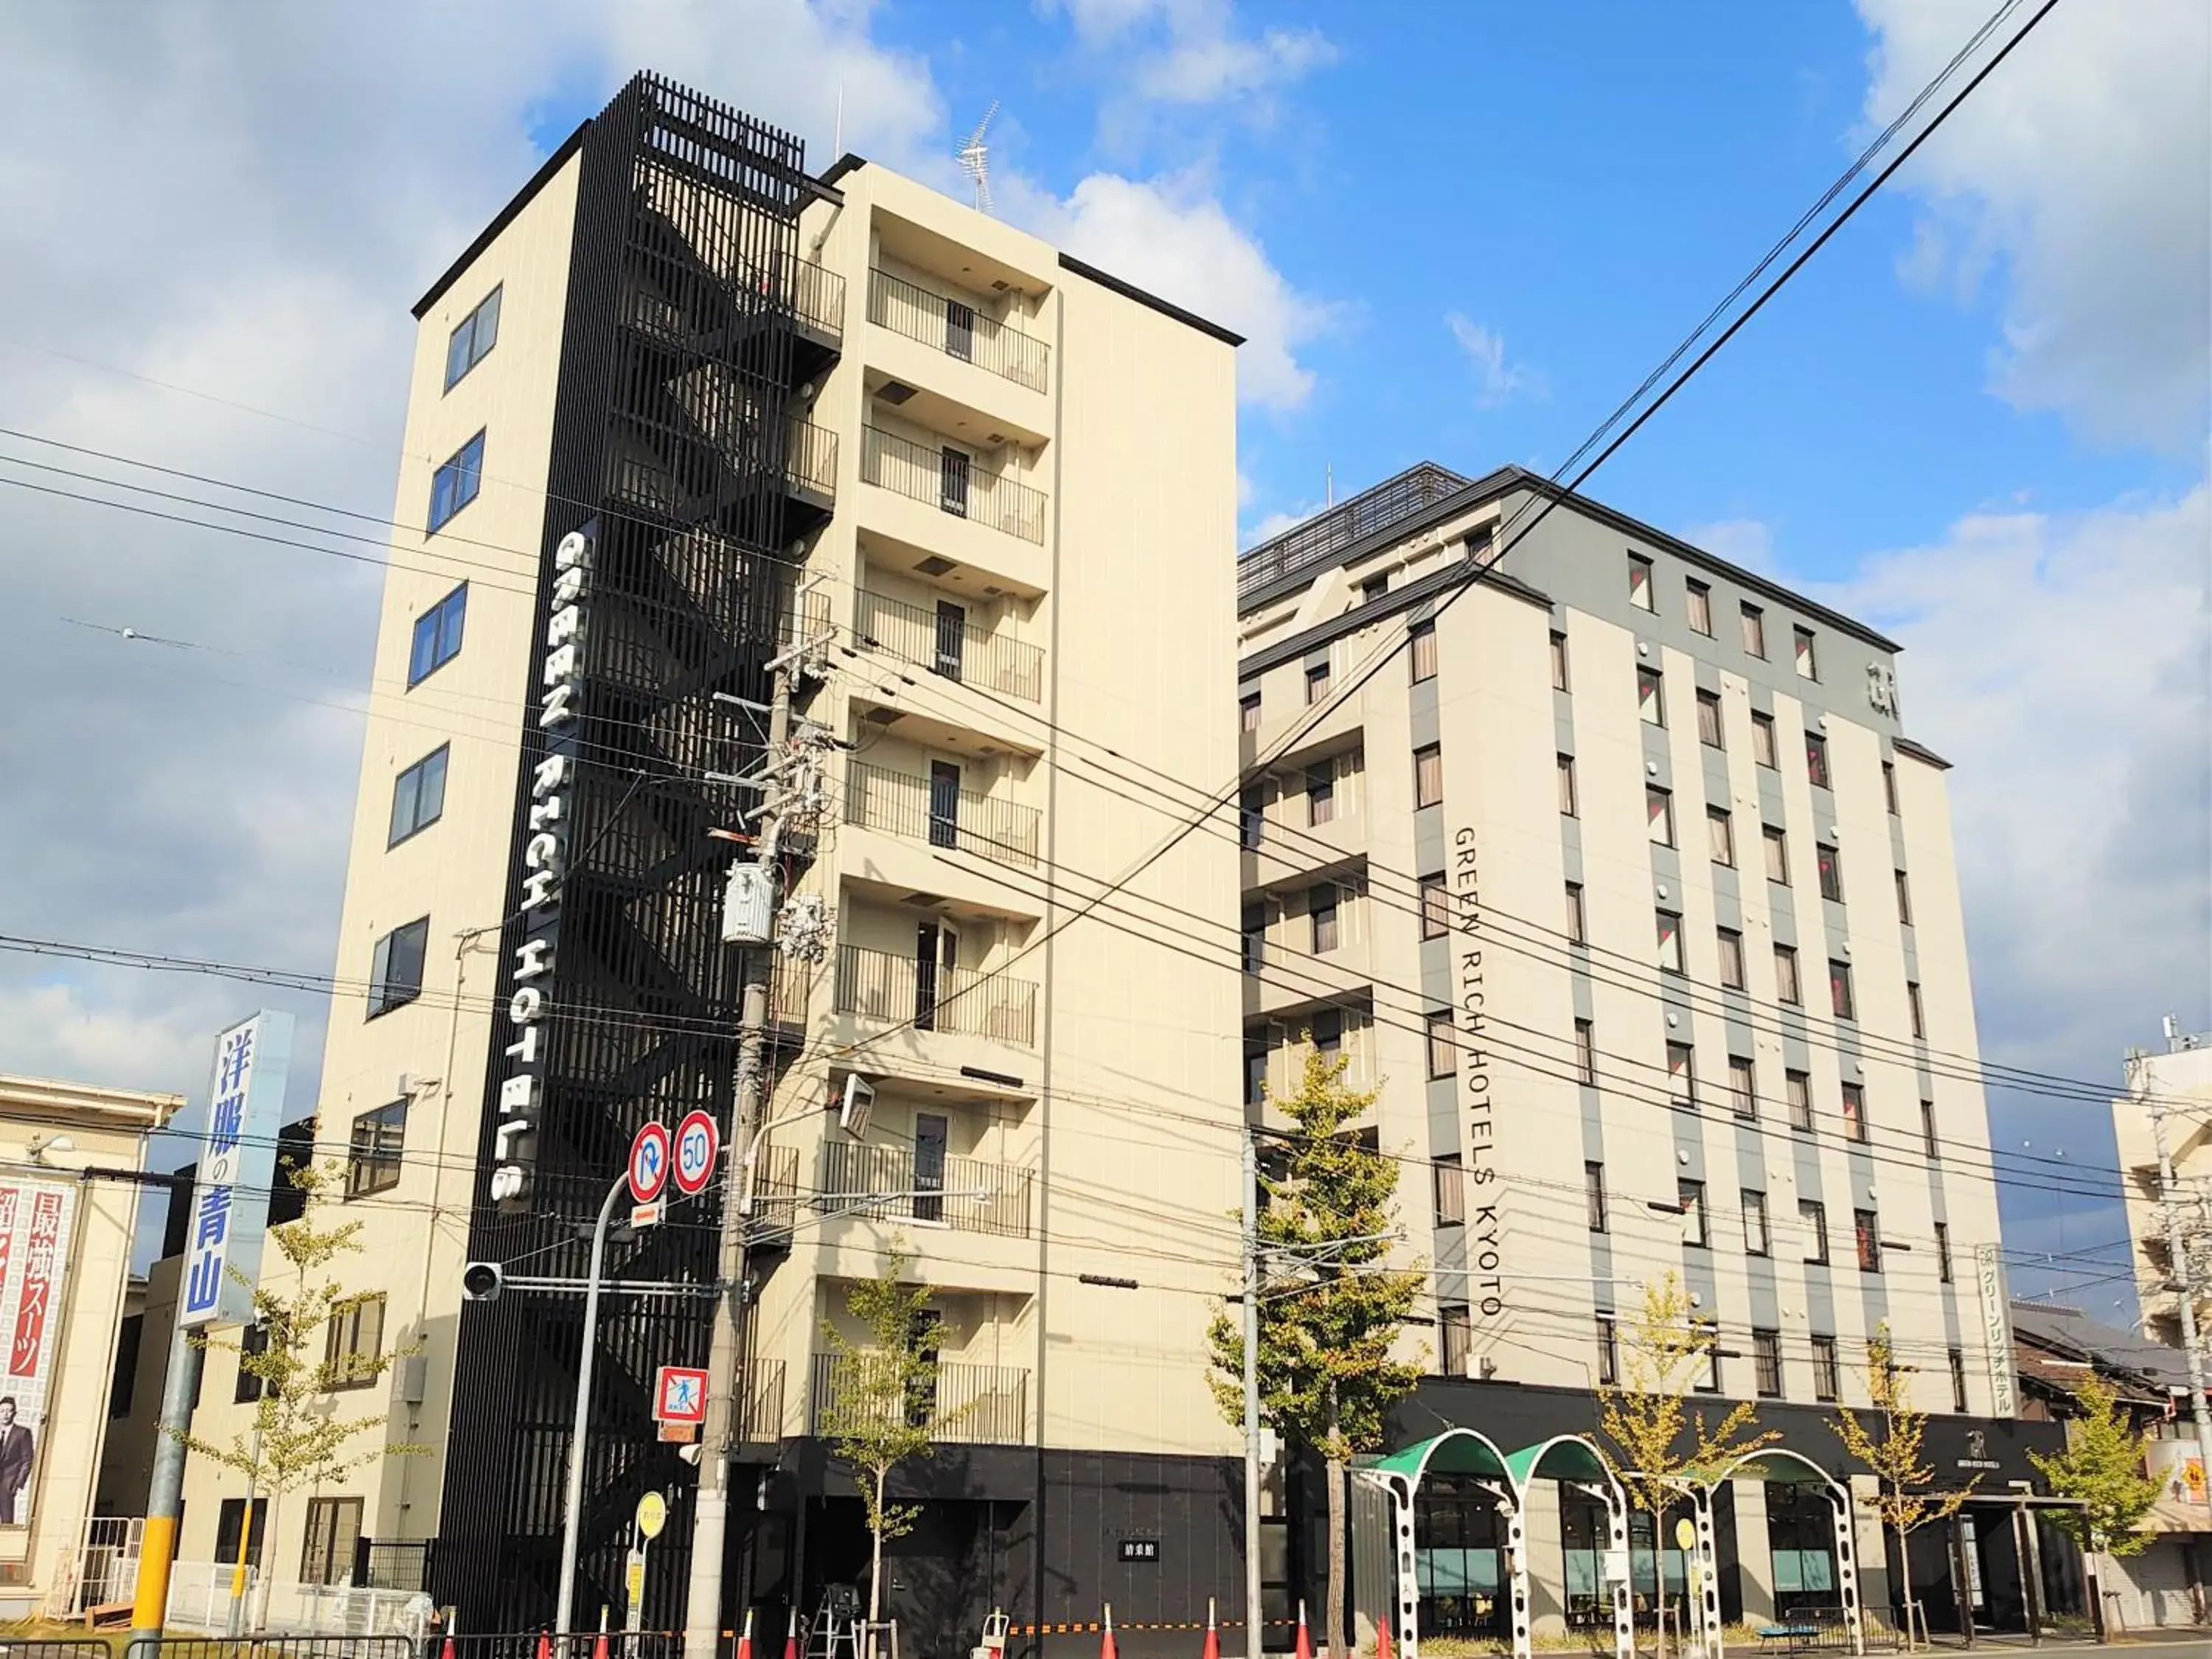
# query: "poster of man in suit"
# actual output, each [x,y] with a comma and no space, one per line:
[34,1241]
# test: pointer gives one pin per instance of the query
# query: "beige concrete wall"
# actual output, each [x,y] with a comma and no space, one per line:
[2174,1080]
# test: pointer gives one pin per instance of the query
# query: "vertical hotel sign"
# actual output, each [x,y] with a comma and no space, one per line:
[1996,1328]
[534,933]
[238,1166]
[36,1221]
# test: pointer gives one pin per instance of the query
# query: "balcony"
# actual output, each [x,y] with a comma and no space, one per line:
[643,480]
[811,297]
[936,1191]
[953,327]
[947,480]
[762,1418]
[946,645]
[941,813]
[776,1198]
[877,985]
[965,1405]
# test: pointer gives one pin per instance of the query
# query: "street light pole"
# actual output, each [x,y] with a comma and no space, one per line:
[1248,1165]
[572,1516]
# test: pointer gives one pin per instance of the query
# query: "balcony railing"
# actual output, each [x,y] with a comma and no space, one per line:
[942,641]
[775,1197]
[947,480]
[811,458]
[815,297]
[809,462]
[941,813]
[934,1189]
[818,297]
[953,327]
[971,1405]
[880,986]
[763,1417]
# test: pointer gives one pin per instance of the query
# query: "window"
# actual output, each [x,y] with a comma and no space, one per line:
[1799,1087]
[1889,786]
[1867,1232]
[1320,908]
[1839,991]
[437,635]
[1708,1337]
[1958,1357]
[1816,760]
[1435,908]
[1247,708]
[1731,943]
[1567,785]
[1943,1253]
[1586,1053]
[1929,1144]
[1608,1351]
[1594,1196]
[1830,861]
[1764,749]
[1808,664]
[1320,793]
[1451,1318]
[1374,588]
[1421,649]
[395,973]
[1559,662]
[1251,817]
[353,1341]
[1812,1216]
[1450,1186]
[1639,582]
[1701,609]
[1778,855]
[1720,835]
[1428,776]
[1256,1071]
[1755,631]
[1903,900]
[1788,988]
[230,1521]
[477,333]
[1757,1241]
[1670,941]
[123,1382]
[1650,696]
[373,1158]
[418,795]
[1743,1086]
[1577,921]
[1913,1009]
[253,1340]
[1766,1363]
[1316,682]
[1695,1233]
[1855,1113]
[1443,1046]
[1709,720]
[1681,1074]
[1256,939]
[1327,1032]
[334,1525]
[1659,816]
[1825,1373]
[454,485]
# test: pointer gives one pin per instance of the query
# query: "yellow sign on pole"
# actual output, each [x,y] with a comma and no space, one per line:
[1685,1533]
[652,1514]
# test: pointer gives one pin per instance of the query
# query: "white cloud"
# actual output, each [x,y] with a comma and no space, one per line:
[1274,524]
[1497,380]
[1200,57]
[2082,168]
[1745,542]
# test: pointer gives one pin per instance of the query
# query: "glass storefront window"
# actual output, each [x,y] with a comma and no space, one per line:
[1800,1539]
[1459,1557]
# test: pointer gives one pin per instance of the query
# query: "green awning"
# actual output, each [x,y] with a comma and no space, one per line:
[1779,1466]
[1456,1451]
[1563,1457]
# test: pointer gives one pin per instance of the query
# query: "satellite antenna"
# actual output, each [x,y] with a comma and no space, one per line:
[975,155]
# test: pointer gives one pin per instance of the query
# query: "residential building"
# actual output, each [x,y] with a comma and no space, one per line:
[681,405]
[1614,839]
[2169,1094]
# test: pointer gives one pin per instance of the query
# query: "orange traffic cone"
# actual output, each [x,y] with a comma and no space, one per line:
[1382,1648]
[545,1645]
[1106,1649]
[448,1652]
[1305,1641]
[791,1636]
[745,1641]
[599,1644]
[1213,1649]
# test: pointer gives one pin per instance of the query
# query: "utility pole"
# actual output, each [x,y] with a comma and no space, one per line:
[1248,1165]
[165,1493]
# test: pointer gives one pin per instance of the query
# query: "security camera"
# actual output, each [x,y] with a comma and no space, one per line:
[483,1281]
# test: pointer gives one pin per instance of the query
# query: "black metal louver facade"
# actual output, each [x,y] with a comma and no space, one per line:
[671,442]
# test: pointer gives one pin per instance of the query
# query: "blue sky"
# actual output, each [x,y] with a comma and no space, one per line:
[1456,231]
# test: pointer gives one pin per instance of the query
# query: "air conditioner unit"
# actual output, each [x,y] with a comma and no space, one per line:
[859,1101]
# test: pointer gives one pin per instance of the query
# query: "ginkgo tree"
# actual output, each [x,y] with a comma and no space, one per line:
[304,1351]
[2102,1470]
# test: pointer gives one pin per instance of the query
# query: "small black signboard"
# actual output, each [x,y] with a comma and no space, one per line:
[1144,1550]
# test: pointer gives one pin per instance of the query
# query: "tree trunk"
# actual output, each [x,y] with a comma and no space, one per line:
[268,1568]
[1338,1647]
[1658,1581]
[876,1563]
[2093,1581]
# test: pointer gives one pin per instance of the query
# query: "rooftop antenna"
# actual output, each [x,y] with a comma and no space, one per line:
[837,145]
[1329,482]
[975,155]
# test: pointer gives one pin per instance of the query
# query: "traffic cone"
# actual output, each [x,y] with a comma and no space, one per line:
[1213,1649]
[545,1645]
[1382,1648]
[448,1651]
[1106,1649]
[1305,1641]
[791,1636]
[600,1643]
[745,1641]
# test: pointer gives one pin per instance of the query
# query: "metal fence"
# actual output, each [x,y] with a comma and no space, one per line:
[942,814]
[948,480]
[939,642]
[276,1646]
[956,329]
[970,1193]
[881,986]
[967,1404]
[546,1644]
